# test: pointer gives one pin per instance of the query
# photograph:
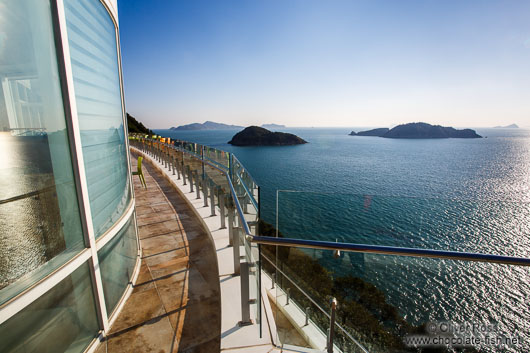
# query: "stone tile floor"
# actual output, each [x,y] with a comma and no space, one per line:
[175,305]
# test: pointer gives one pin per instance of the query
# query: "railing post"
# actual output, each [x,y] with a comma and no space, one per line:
[205,189]
[230,223]
[237,255]
[288,295]
[245,208]
[235,240]
[332,325]
[307,310]
[212,198]
[173,162]
[221,198]
[183,170]
[245,296]
[273,280]
[190,179]
[197,184]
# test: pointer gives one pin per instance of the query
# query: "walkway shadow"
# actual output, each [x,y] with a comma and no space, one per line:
[198,326]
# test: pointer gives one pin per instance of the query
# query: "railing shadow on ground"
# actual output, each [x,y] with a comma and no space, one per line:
[188,286]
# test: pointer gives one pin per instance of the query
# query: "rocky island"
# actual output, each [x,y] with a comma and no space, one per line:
[258,136]
[207,125]
[419,131]
[374,132]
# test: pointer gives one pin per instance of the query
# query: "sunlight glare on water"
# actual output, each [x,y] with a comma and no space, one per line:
[462,195]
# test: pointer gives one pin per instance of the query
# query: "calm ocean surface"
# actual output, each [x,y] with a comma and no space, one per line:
[451,194]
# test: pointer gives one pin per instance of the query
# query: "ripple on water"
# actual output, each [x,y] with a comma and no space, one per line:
[452,195]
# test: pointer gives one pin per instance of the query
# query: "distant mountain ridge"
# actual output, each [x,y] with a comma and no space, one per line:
[512,126]
[207,125]
[419,131]
[272,126]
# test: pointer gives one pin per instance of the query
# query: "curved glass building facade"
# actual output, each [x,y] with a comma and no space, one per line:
[68,235]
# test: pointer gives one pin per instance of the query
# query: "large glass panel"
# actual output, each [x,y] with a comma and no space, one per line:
[62,320]
[388,303]
[117,260]
[427,223]
[219,157]
[94,58]
[398,304]
[40,226]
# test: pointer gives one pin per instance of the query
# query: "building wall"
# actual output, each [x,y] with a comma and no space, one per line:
[68,235]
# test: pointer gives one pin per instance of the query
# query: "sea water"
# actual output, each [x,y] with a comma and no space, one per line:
[468,195]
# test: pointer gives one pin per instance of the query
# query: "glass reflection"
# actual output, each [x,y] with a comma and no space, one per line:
[40,226]
[117,259]
[62,320]
[94,58]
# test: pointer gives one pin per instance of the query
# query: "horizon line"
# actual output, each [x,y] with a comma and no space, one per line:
[354,126]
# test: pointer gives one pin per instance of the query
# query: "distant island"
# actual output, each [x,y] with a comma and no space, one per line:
[272,126]
[374,132]
[208,125]
[258,136]
[419,131]
[513,126]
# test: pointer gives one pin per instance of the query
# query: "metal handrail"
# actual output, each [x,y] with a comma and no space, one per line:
[389,250]
[251,197]
[315,304]
[363,248]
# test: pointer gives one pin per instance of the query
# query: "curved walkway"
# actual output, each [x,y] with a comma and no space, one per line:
[175,305]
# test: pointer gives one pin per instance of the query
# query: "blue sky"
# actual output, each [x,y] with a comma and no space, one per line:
[326,63]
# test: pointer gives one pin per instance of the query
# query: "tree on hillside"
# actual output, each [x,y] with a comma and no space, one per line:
[137,127]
